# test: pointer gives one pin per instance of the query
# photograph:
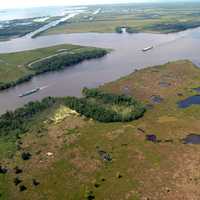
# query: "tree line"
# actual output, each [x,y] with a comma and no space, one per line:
[10,84]
[175,27]
[65,60]
[17,122]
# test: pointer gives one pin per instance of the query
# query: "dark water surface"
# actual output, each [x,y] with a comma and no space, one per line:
[197,89]
[126,57]
[193,100]
[192,139]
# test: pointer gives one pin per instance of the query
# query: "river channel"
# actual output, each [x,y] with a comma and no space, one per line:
[127,56]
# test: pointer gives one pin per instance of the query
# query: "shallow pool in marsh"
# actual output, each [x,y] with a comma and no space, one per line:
[192,139]
[197,89]
[192,100]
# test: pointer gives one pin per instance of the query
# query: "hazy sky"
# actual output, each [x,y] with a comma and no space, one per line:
[34,3]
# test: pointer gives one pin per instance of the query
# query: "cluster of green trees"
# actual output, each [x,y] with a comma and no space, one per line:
[175,27]
[90,110]
[17,122]
[23,79]
[100,108]
[131,30]
[128,30]
[109,98]
[118,30]
[65,60]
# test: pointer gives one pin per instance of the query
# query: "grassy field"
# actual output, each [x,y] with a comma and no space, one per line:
[159,18]
[65,146]
[14,66]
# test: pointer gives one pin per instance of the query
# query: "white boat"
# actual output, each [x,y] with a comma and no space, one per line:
[147,48]
[29,92]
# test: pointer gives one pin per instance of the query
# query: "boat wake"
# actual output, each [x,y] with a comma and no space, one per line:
[44,87]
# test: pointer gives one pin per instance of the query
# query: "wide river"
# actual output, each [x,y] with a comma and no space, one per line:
[124,59]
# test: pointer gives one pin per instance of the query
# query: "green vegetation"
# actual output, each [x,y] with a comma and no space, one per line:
[162,18]
[128,30]
[65,60]
[118,30]
[174,26]
[23,79]
[96,104]
[131,30]
[17,122]
[65,146]
[16,68]
[106,107]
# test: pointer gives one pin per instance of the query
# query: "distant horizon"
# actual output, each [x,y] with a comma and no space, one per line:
[36,4]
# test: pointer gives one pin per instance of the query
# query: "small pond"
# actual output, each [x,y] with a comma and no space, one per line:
[192,100]
[192,139]
[156,99]
[164,84]
[197,89]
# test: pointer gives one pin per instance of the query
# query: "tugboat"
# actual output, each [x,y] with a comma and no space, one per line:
[29,92]
[147,48]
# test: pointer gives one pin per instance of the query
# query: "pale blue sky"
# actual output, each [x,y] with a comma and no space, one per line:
[36,3]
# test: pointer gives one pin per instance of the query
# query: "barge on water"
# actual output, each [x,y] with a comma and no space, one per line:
[147,48]
[29,92]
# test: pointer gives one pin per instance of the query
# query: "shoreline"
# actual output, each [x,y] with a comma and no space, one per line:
[42,34]
[98,53]
[107,85]
[113,32]
[126,57]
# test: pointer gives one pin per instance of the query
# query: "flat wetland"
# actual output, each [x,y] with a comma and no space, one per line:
[65,146]
[157,18]
[49,151]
